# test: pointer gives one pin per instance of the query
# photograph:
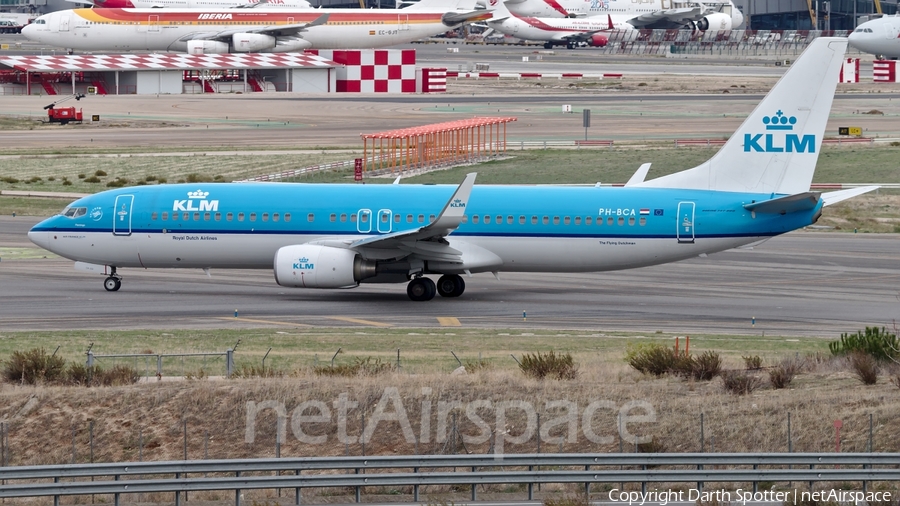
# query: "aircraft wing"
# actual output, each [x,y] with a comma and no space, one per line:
[275,30]
[427,242]
[678,16]
[581,36]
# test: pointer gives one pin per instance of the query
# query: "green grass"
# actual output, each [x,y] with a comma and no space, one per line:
[421,350]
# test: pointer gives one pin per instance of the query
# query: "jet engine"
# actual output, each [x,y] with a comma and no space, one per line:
[206,47]
[311,266]
[252,42]
[598,40]
[718,21]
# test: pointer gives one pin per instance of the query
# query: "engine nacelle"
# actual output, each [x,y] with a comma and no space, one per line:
[717,22]
[311,266]
[252,42]
[598,40]
[207,47]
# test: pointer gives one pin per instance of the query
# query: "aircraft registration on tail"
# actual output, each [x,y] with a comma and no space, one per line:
[338,236]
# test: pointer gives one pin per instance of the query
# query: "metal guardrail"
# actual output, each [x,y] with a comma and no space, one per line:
[130,478]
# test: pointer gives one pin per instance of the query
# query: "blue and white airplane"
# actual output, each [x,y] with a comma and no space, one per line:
[338,236]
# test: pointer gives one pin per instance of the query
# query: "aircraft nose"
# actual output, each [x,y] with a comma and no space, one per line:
[39,238]
[29,31]
[737,18]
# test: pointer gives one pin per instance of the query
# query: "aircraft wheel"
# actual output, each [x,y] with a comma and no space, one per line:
[548,45]
[112,284]
[451,285]
[421,289]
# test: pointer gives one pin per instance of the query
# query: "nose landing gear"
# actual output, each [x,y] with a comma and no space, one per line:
[113,282]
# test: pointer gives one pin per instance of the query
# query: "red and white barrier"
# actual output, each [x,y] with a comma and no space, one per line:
[884,71]
[850,71]
[433,81]
[373,70]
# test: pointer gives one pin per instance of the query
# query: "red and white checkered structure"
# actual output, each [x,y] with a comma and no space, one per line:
[373,70]
[884,71]
[850,71]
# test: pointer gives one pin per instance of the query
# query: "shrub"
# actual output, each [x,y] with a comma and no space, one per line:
[655,359]
[739,382]
[752,363]
[254,371]
[876,342]
[150,178]
[66,182]
[35,179]
[51,178]
[782,374]
[118,375]
[477,365]
[364,367]
[540,366]
[197,178]
[117,183]
[10,180]
[92,179]
[706,366]
[865,367]
[895,379]
[33,366]
[80,176]
[161,180]
[100,173]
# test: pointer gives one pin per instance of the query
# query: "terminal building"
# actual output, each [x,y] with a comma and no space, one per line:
[806,14]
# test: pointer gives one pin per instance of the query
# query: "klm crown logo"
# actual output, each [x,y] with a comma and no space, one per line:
[779,121]
[775,143]
[199,194]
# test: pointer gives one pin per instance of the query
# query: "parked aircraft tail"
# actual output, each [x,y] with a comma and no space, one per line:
[776,148]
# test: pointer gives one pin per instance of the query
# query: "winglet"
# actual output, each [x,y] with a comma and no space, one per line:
[838,196]
[639,175]
[455,208]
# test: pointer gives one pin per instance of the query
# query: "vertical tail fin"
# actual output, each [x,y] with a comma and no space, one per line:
[776,148]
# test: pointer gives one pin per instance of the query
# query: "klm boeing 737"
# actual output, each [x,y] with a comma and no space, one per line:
[338,236]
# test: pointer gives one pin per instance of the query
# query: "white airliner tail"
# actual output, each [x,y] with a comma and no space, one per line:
[776,148]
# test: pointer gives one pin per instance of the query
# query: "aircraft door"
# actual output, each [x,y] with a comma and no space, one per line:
[384,221]
[153,23]
[684,230]
[889,32]
[64,23]
[122,215]
[364,221]
[403,22]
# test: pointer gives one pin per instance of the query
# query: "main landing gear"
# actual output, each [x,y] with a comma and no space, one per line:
[113,282]
[422,288]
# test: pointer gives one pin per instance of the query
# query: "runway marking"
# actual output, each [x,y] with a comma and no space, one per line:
[448,321]
[265,321]
[361,322]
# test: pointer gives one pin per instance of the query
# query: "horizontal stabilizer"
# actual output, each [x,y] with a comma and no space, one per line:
[789,204]
[838,196]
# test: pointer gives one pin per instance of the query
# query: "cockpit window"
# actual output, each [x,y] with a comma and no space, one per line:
[74,212]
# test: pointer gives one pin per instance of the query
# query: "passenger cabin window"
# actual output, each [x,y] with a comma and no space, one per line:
[397,218]
[364,218]
[206,216]
[578,220]
[609,221]
[310,217]
[643,221]
[384,218]
[165,215]
[409,218]
[556,220]
[343,217]
[521,220]
[567,220]
[287,216]
[621,221]
[465,218]
[475,219]
[218,216]
[265,216]
[275,217]
[153,216]
[252,216]
[353,218]
[333,217]
[545,220]
[421,218]
[240,216]
[431,218]
[487,218]
[631,220]
[534,220]
[174,216]
[587,220]
[229,216]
